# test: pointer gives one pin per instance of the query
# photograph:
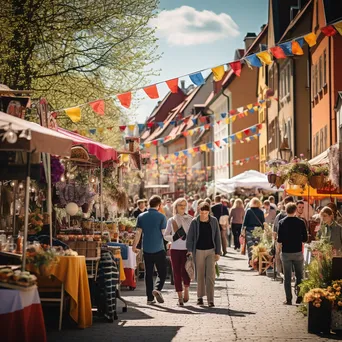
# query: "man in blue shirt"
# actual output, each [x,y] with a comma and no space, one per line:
[151,225]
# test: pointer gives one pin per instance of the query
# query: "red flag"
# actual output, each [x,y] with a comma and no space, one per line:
[185,134]
[232,111]
[259,126]
[218,143]
[110,128]
[155,142]
[203,119]
[207,126]
[122,128]
[152,91]
[329,31]
[98,107]
[278,52]
[186,120]
[125,99]
[236,67]
[150,124]
[196,149]
[246,131]
[173,85]
[218,122]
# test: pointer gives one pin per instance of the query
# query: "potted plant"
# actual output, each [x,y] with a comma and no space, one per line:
[122,224]
[318,176]
[35,222]
[335,297]
[299,172]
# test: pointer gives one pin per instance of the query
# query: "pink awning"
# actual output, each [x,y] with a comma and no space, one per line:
[100,151]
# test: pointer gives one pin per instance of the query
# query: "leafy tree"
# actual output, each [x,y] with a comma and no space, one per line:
[74,51]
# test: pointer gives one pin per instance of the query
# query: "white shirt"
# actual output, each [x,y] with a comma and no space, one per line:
[182,221]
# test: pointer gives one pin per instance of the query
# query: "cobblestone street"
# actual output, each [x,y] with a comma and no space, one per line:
[248,308]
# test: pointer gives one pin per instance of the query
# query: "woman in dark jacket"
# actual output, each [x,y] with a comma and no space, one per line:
[204,244]
[254,217]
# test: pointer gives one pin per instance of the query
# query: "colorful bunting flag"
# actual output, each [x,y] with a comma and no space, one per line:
[173,85]
[278,52]
[210,145]
[236,67]
[310,39]
[176,154]
[329,31]
[197,79]
[203,147]
[287,48]
[160,124]
[125,99]
[218,73]
[223,115]
[122,128]
[239,135]
[195,121]
[100,130]
[98,107]
[73,113]
[148,144]
[265,57]
[253,60]
[141,127]
[150,124]
[152,91]
[300,41]
[218,143]
[92,131]
[232,137]
[296,48]
[131,128]
[338,27]
[227,121]
[246,131]
[253,129]
[155,142]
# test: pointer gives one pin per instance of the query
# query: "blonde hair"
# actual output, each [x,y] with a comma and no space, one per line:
[177,202]
[238,203]
[255,203]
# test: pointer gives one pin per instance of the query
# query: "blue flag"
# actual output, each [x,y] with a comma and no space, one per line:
[141,127]
[225,140]
[300,41]
[254,61]
[223,115]
[197,79]
[92,131]
[287,48]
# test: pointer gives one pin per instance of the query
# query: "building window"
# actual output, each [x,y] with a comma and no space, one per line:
[316,145]
[324,68]
[320,74]
[325,138]
[316,80]
[285,81]
[321,141]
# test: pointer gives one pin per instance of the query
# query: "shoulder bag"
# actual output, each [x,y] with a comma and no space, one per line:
[178,233]
[223,219]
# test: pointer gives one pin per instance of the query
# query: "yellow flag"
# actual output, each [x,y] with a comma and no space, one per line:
[191,150]
[218,73]
[338,27]
[131,127]
[100,130]
[311,39]
[250,106]
[148,144]
[193,154]
[181,154]
[256,108]
[191,132]
[239,135]
[203,147]
[233,118]
[74,113]
[125,158]
[226,121]
[246,112]
[265,57]
[296,49]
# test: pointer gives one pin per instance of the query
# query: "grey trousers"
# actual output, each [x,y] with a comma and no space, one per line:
[205,268]
[290,261]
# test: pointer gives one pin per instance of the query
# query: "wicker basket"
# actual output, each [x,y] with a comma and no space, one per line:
[317,182]
[298,179]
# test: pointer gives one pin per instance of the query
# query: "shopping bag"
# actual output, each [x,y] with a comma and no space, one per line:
[190,267]
[217,270]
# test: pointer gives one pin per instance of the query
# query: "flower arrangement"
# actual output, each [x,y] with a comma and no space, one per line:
[39,258]
[320,170]
[57,170]
[35,222]
[335,294]
[316,296]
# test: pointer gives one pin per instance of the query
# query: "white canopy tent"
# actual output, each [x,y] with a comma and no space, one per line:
[247,180]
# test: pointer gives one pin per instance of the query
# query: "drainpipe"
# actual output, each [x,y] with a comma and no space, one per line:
[308,88]
[294,109]
[228,108]
[330,92]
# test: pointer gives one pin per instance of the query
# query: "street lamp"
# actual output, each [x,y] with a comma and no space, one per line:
[285,151]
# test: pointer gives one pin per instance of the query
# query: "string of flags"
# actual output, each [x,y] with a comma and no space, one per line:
[202,171]
[211,146]
[283,50]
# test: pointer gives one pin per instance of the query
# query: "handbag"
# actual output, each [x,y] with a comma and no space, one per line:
[179,233]
[190,267]
[223,219]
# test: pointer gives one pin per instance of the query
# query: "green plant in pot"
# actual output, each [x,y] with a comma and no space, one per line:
[319,173]
[299,172]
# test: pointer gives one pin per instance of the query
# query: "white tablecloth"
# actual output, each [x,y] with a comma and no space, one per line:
[131,262]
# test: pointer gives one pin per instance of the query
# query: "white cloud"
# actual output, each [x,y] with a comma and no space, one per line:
[187,26]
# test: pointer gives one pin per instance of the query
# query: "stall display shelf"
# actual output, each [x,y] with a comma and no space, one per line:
[17,287]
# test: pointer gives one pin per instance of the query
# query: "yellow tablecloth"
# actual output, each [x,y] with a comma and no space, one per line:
[72,272]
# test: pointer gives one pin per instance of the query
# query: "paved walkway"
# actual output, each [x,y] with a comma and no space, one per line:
[248,308]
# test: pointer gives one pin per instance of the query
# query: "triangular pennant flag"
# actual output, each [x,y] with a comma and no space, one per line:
[98,107]
[218,143]
[180,154]
[240,110]
[152,91]
[210,145]
[249,106]
[150,124]
[311,39]
[186,153]
[74,113]
[248,64]
[160,124]
[278,52]
[232,137]
[253,129]
[218,73]
[248,139]
[232,111]
[173,85]
[219,122]
[246,131]
[233,118]
[131,127]
[265,57]
[176,154]
[259,126]
[203,147]
[223,115]
[197,79]
[161,140]
[141,127]
[110,128]
[338,27]
[155,142]
[239,135]
[252,137]
[92,131]
[300,41]
[207,126]
[173,122]
[287,48]
[329,31]
[240,115]
[191,132]
[122,128]
[194,121]
[236,67]
[100,130]
[185,133]
[196,149]
[125,99]
[203,119]
[296,49]
[190,150]
[254,61]
[148,144]
[227,121]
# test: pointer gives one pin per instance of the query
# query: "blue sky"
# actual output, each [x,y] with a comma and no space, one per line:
[198,34]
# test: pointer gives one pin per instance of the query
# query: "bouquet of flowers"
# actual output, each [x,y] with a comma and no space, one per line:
[316,296]
[335,294]
[35,222]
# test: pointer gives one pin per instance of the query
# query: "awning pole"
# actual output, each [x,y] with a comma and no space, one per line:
[49,199]
[27,201]
[101,196]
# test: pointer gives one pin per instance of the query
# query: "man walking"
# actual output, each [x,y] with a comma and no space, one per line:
[151,226]
[292,234]
[218,210]
[269,212]
[140,209]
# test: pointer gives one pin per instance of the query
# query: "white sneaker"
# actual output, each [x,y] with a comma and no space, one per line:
[157,294]
[151,302]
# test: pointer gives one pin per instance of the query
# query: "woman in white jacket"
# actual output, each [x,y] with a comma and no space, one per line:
[176,232]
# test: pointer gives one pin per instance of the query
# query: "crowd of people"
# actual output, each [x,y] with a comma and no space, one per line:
[196,232]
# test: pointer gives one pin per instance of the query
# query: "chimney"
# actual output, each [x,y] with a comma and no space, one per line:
[249,39]
[183,86]
[262,27]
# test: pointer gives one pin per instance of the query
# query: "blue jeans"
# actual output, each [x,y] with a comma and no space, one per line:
[290,261]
